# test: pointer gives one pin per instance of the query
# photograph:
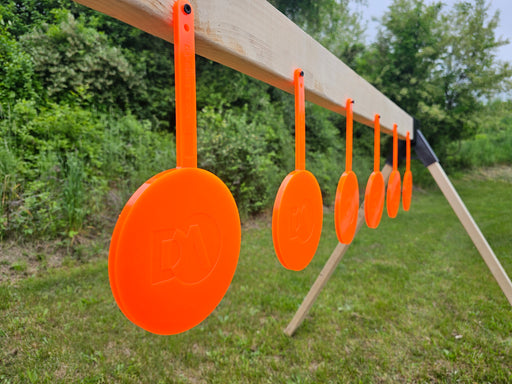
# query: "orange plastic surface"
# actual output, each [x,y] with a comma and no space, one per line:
[185,86]
[393,193]
[297,220]
[300,120]
[346,205]
[375,189]
[407,184]
[175,250]
[298,209]
[175,246]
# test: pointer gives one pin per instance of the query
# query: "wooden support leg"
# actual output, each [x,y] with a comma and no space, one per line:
[472,229]
[328,270]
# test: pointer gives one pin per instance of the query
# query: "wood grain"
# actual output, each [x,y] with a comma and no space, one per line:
[253,37]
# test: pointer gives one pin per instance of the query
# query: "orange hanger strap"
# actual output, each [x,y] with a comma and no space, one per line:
[395,148]
[408,153]
[185,74]
[300,121]
[376,144]
[350,125]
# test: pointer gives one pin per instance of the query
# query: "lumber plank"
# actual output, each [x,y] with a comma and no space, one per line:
[254,38]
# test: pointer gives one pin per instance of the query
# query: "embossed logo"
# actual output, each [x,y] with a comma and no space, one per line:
[188,255]
[302,226]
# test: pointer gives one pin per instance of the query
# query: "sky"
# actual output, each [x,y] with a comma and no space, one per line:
[376,8]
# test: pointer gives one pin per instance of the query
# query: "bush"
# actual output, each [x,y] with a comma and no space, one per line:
[65,170]
[484,150]
[493,142]
[241,153]
[76,63]
[17,78]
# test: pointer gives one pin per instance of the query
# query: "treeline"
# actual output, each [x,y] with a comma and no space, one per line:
[87,106]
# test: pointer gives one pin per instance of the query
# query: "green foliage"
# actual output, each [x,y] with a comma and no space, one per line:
[325,148]
[17,79]
[76,63]
[236,149]
[150,57]
[21,16]
[493,142]
[439,66]
[87,106]
[63,167]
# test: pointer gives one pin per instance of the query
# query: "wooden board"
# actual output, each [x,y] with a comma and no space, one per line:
[254,38]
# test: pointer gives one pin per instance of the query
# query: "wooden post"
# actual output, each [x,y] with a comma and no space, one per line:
[472,229]
[328,270]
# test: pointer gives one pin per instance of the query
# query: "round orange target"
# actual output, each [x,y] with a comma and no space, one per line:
[346,205]
[393,193]
[407,184]
[375,188]
[175,246]
[298,208]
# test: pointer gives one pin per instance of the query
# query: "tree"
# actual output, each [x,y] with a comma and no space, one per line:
[439,66]
[468,72]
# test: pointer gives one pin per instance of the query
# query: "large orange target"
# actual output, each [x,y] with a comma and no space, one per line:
[175,247]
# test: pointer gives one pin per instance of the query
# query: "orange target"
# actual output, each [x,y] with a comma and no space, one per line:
[298,208]
[375,188]
[346,206]
[175,246]
[393,193]
[407,185]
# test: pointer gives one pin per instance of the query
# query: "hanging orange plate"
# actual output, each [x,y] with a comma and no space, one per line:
[175,247]
[298,208]
[407,184]
[346,205]
[375,188]
[393,193]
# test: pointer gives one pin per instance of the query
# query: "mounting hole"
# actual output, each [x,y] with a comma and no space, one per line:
[187,9]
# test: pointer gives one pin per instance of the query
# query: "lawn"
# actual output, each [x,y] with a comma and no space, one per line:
[411,301]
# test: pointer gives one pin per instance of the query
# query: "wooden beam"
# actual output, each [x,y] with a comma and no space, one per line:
[472,229]
[328,269]
[254,38]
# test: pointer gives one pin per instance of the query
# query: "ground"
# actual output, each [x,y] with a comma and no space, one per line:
[412,301]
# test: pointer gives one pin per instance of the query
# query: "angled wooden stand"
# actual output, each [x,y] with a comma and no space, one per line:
[429,159]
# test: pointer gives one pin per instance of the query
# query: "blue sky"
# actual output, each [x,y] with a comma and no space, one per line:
[376,8]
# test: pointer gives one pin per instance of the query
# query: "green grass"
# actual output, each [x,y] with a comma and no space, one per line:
[412,301]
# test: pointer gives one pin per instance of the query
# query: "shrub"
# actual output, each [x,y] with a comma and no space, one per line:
[61,165]
[241,153]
